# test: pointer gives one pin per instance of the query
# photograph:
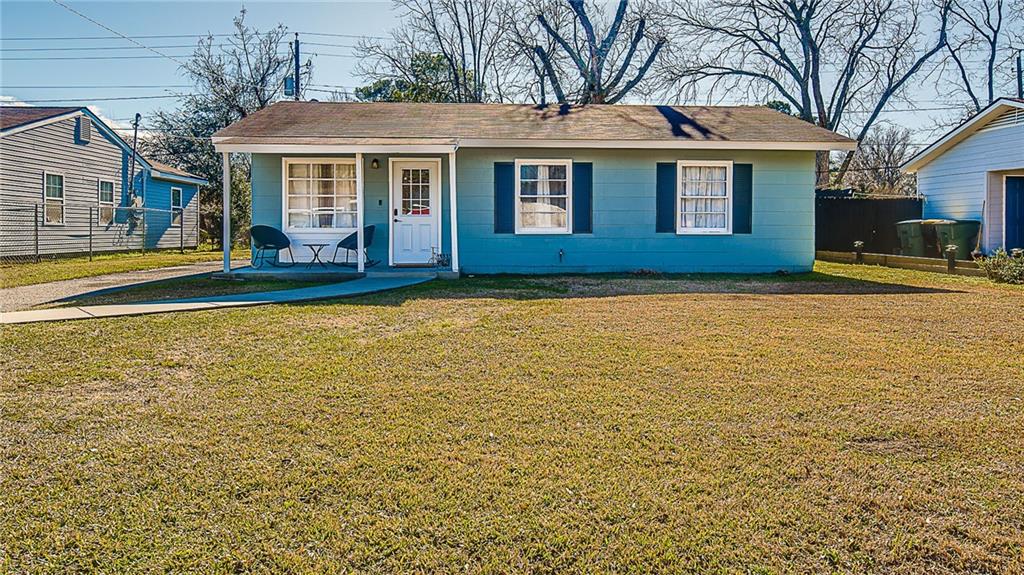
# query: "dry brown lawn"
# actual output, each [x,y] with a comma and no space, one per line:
[856,420]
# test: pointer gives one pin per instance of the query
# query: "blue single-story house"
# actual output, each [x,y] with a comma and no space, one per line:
[64,188]
[976,172]
[496,188]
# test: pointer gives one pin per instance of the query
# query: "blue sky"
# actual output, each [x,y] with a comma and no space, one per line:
[31,80]
[89,81]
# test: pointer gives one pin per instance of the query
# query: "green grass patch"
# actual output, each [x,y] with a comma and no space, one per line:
[853,420]
[14,275]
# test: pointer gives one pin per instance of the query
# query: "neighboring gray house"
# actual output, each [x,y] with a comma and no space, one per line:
[64,188]
[976,172]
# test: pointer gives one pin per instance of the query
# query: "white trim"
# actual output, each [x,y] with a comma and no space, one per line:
[181,207]
[226,238]
[158,175]
[728,165]
[102,204]
[333,149]
[284,195]
[97,123]
[360,241]
[958,134]
[453,209]
[520,230]
[529,143]
[63,197]
[391,197]
[1003,214]
[40,123]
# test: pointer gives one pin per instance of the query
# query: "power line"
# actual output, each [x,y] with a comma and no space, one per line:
[111,30]
[119,36]
[105,99]
[41,58]
[126,86]
[357,36]
[69,49]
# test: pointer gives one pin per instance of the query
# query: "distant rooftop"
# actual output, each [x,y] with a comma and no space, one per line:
[14,116]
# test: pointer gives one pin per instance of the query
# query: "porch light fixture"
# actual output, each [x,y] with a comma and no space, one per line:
[375,163]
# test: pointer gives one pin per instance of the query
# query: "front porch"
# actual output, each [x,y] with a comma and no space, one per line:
[395,203]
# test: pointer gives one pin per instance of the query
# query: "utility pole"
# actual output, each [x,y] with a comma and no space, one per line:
[131,172]
[296,66]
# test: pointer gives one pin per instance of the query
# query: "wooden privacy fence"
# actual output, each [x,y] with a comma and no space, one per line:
[840,221]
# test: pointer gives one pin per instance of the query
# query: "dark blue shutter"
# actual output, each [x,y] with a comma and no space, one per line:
[504,198]
[742,198]
[665,219]
[582,197]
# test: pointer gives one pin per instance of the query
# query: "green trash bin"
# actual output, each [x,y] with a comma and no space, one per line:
[961,233]
[911,237]
[932,247]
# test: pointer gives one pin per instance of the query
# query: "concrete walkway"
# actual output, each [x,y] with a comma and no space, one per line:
[351,288]
[25,297]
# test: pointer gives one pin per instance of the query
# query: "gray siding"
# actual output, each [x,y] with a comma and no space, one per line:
[27,155]
[957,183]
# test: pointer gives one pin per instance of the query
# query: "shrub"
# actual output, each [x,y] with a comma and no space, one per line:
[1003,267]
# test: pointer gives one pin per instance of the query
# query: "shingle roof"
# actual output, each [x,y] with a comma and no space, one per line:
[169,169]
[14,116]
[341,122]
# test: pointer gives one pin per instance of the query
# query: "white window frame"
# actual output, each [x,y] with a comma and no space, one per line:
[728,165]
[104,204]
[178,207]
[285,162]
[62,201]
[520,229]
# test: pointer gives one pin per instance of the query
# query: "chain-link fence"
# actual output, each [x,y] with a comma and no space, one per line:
[30,232]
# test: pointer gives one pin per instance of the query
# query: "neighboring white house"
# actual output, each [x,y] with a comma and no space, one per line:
[976,172]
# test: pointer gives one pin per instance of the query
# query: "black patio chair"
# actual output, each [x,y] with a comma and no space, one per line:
[350,243]
[266,238]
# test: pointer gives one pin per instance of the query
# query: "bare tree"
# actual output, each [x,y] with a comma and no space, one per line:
[606,69]
[233,77]
[875,170]
[468,35]
[838,63]
[980,32]
[246,71]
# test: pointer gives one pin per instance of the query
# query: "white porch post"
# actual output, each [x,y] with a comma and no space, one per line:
[227,212]
[360,264]
[453,211]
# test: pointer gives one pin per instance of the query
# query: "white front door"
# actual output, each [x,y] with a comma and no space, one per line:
[415,203]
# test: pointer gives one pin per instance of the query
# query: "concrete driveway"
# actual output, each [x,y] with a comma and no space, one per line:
[25,297]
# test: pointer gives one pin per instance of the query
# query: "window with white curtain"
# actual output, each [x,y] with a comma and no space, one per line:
[543,196]
[320,194]
[704,199]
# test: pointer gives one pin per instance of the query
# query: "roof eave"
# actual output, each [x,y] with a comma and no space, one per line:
[156,174]
[957,135]
[258,145]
